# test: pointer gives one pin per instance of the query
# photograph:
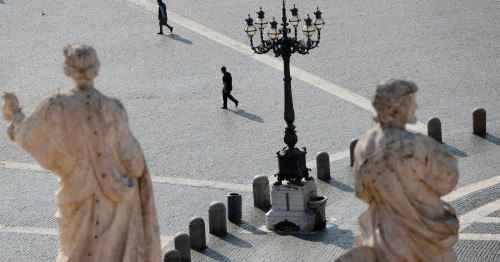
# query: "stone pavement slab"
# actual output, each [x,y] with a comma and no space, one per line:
[171,87]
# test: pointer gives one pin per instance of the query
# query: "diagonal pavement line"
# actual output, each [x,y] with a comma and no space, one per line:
[201,183]
[28,230]
[489,220]
[477,214]
[244,49]
[22,166]
[333,157]
[465,190]
[469,236]
[176,180]
[157,179]
[165,239]
[457,193]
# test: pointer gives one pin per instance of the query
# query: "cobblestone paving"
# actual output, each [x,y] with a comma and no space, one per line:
[478,199]
[170,86]
[478,251]
[27,247]
[483,228]
[495,214]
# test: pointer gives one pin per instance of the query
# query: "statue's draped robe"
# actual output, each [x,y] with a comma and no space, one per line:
[402,176]
[105,201]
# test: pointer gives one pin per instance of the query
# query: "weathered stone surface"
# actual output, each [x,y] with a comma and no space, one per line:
[105,200]
[434,129]
[479,121]
[197,233]
[288,197]
[182,243]
[217,219]
[323,165]
[402,175]
[303,219]
[172,255]
[261,194]
[359,254]
[290,203]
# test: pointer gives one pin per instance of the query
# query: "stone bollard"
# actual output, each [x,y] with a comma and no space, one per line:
[261,194]
[172,255]
[182,244]
[323,165]
[479,122]
[197,233]
[217,219]
[234,207]
[434,129]
[352,146]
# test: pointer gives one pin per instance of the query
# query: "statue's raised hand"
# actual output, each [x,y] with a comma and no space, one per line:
[10,105]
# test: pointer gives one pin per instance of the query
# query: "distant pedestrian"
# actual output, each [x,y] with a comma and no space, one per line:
[162,16]
[227,80]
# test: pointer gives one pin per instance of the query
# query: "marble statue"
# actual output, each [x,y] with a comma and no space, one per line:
[105,199]
[402,176]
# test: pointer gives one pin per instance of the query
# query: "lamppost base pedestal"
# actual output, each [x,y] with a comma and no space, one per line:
[292,166]
[290,208]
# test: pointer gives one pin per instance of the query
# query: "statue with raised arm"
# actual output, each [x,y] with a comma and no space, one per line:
[402,176]
[105,199]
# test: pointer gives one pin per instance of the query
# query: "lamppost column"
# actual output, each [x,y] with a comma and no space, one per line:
[290,135]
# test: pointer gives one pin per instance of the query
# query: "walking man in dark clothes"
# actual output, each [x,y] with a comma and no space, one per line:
[228,86]
[162,16]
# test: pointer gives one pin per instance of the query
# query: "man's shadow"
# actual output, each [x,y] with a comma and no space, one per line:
[243,113]
[177,37]
[1,2]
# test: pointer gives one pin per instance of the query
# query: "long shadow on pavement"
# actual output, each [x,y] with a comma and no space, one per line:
[178,38]
[455,151]
[493,139]
[247,115]
[235,241]
[332,235]
[335,183]
[213,254]
[244,225]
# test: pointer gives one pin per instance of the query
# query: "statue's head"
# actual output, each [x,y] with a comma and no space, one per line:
[394,102]
[81,63]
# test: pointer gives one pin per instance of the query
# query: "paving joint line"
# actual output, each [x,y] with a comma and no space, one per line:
[165,239]
[477,214]
[455,194]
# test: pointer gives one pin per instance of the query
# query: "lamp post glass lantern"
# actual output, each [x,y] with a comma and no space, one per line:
[291,160]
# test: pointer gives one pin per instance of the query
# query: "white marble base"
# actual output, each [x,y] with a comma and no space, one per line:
[304,220]
[289,202]
[292,197]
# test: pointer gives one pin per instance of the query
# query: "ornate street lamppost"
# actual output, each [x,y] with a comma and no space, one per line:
[291,160]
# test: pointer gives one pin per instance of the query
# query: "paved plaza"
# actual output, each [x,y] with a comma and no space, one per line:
[197,153]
